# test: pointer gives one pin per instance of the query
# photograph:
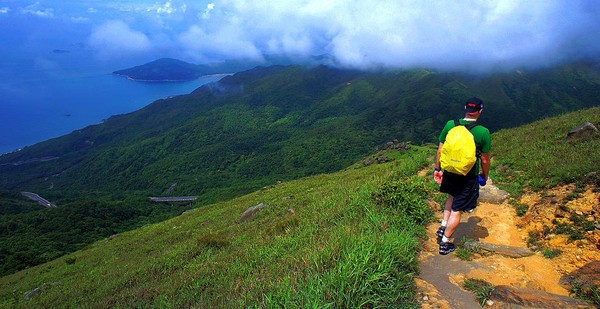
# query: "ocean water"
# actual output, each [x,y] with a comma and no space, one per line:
[37,104]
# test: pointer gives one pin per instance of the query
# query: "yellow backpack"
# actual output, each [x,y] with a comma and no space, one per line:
[459,152]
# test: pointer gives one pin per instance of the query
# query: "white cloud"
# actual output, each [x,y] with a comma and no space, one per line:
[166,8]
[476,34]
[473,35]
[290,44]
[116,38]
[206,13]
[163,9]
[35,9]
[4,10]
[226,43]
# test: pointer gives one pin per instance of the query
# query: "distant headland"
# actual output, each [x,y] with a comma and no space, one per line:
[173,70]
[163,70]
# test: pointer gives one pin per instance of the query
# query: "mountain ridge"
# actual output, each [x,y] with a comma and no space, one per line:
[175,70]
[254,129]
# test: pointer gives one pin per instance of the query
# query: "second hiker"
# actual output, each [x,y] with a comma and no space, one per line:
[453,169]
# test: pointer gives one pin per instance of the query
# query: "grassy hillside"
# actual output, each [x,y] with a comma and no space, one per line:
[539,155]
[347,239]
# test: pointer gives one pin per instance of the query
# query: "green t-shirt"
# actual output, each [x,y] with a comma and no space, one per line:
[481,134]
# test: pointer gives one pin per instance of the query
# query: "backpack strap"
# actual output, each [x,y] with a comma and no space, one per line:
[469,127]
[472,125]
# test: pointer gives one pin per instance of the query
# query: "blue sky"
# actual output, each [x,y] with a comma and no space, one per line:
[452,35]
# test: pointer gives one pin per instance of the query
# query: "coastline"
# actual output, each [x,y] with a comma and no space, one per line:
[172,80]
[87,100]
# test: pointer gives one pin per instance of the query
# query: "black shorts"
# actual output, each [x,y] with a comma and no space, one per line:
[464,189]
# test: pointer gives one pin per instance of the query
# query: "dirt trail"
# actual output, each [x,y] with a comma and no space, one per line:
[441,278]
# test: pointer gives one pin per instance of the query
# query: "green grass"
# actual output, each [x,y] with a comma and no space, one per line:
[573,231]
[338,248]
[551,253]
[467,250]
[539,155]
[482,289]
[521,209]
[464,254]
[590,293]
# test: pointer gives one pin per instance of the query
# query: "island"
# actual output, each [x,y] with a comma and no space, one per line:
[164,70]
[174,70]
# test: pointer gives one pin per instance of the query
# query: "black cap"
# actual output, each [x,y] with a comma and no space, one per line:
[473,105]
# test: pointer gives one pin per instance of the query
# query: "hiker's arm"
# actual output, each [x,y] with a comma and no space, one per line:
[485,164]
[438,174]
[437,157]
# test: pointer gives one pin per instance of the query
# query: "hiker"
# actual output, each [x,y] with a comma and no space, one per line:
[463,190]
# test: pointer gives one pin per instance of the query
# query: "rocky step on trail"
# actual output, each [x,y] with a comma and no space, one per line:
[522,277]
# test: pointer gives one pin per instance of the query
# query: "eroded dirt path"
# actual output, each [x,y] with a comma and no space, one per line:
[441,278]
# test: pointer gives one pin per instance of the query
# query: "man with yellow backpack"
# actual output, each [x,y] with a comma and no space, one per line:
[464,148]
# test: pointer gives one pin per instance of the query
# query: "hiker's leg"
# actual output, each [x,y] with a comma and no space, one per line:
[446,246]
[448,208]
[453,222]
[446,216]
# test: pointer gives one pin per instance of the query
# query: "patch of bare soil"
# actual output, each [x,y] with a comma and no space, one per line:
[565,220]
[550,213]
[536,271]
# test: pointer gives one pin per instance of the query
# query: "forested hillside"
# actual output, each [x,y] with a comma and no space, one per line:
[269,124]
[256,128]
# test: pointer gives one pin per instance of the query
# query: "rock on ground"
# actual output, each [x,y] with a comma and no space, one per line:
[585,278]
[530,298]
[251,212]
[492,194]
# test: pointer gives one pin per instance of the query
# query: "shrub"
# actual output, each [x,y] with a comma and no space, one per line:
[574,232]
[591,294]
[521,209]
[582,222]
[407,196]
[535,237]
[551,253]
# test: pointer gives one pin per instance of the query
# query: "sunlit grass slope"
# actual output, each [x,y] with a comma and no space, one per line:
[540,155]
[342,240]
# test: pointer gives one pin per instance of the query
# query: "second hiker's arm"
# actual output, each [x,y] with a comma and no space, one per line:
[485,164]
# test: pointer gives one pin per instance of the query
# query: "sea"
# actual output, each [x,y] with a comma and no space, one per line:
[53,95]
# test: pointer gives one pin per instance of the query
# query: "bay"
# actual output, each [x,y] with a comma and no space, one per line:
[34,108]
